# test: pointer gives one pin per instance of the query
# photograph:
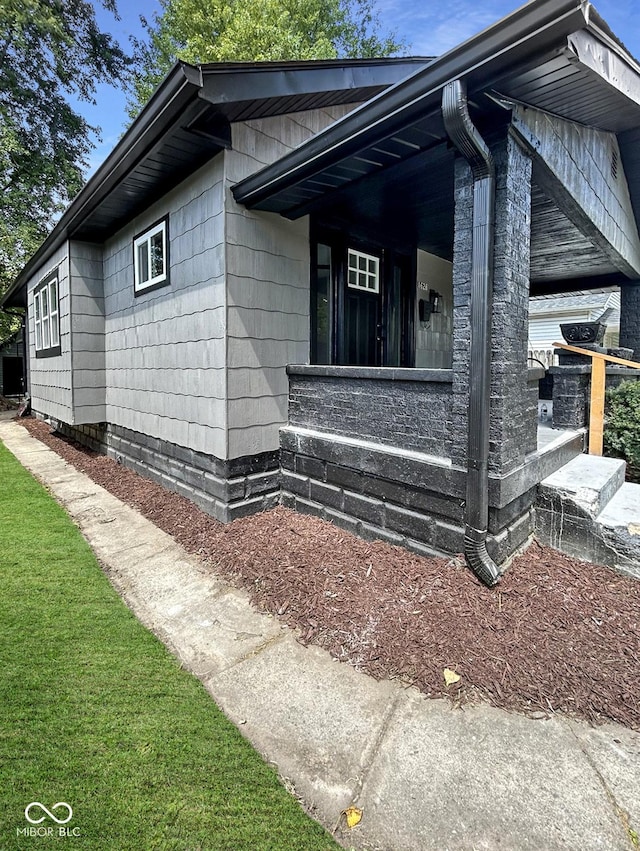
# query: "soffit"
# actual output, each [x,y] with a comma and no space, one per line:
[586,81]
[231,92]
[164,164]
[186,124]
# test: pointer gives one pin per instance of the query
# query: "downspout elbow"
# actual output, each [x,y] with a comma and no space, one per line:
[470,144]
[478,559]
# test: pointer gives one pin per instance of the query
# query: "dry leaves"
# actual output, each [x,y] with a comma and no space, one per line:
[450,677]
[353,816]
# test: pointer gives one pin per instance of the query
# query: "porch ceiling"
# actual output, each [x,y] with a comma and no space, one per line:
[559,250]
[411,203]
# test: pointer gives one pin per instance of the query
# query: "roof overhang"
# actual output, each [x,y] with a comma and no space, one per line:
[187,122]
[556,55]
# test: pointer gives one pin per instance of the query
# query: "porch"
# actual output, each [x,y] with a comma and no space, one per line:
[512,161]
[371,449]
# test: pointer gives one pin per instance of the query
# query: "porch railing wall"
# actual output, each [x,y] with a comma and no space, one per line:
[409,409]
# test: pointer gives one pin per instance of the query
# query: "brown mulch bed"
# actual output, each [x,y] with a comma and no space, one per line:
[557,634]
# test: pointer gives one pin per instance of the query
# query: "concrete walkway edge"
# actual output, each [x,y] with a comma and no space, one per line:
[425,775]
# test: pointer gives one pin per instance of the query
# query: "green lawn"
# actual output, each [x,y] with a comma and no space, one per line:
[96,713]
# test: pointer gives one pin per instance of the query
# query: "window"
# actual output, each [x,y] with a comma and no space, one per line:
[322,306]
[363,271]
[151,258]
[47,322]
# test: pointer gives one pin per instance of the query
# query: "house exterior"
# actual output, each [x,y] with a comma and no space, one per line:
[548,313]
[309,282]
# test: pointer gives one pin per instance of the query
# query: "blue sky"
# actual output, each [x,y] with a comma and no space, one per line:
[430,27]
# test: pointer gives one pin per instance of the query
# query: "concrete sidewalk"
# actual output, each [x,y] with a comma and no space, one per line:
[426,776]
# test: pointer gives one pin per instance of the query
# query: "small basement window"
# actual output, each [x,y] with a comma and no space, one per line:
[151,257]
[363,271]
[47,318]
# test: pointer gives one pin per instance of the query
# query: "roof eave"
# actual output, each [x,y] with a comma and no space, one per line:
[184,85]
[179,86]
[535,26]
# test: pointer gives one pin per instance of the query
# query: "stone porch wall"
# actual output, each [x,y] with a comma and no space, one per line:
[572,388]
[630,317]
[370,454]
[405,408]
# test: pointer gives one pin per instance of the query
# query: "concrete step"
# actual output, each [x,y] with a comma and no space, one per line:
[623,509]
[588,480]
[557,448]
[619,523]
[587,510]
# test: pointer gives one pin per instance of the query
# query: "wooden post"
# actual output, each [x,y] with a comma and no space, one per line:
[596,413]
[598,381]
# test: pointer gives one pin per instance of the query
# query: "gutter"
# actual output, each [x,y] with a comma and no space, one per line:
[470,144]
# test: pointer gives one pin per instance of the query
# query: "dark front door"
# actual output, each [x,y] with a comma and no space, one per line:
[12,376]
[361,304]
[363,310]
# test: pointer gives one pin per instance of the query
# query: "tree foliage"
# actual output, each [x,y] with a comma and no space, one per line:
[50,51]
[233,30]
[622,425]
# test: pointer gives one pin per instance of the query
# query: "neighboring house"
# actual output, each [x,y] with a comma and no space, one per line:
[12,365]
[547,313]
[267,295]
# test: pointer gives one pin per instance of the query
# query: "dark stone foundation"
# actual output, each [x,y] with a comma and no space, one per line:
[398,496]
[374,490]
[224,489]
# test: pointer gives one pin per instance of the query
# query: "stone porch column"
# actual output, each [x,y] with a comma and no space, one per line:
[630,317]
[510,425]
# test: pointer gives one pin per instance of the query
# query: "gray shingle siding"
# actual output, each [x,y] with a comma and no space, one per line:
[51,382]
[165,349]
[267,286]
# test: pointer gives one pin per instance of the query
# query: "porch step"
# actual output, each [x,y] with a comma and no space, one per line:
[620,524]
[558,449]
[589,480]
[623,509]
[587,510]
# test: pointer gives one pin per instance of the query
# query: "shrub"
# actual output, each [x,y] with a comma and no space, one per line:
[622,426]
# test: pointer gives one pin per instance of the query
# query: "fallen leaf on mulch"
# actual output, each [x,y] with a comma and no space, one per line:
[450,677]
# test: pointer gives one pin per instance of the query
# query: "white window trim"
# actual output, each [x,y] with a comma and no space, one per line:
[141,286]
[370,276]
[52,311]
